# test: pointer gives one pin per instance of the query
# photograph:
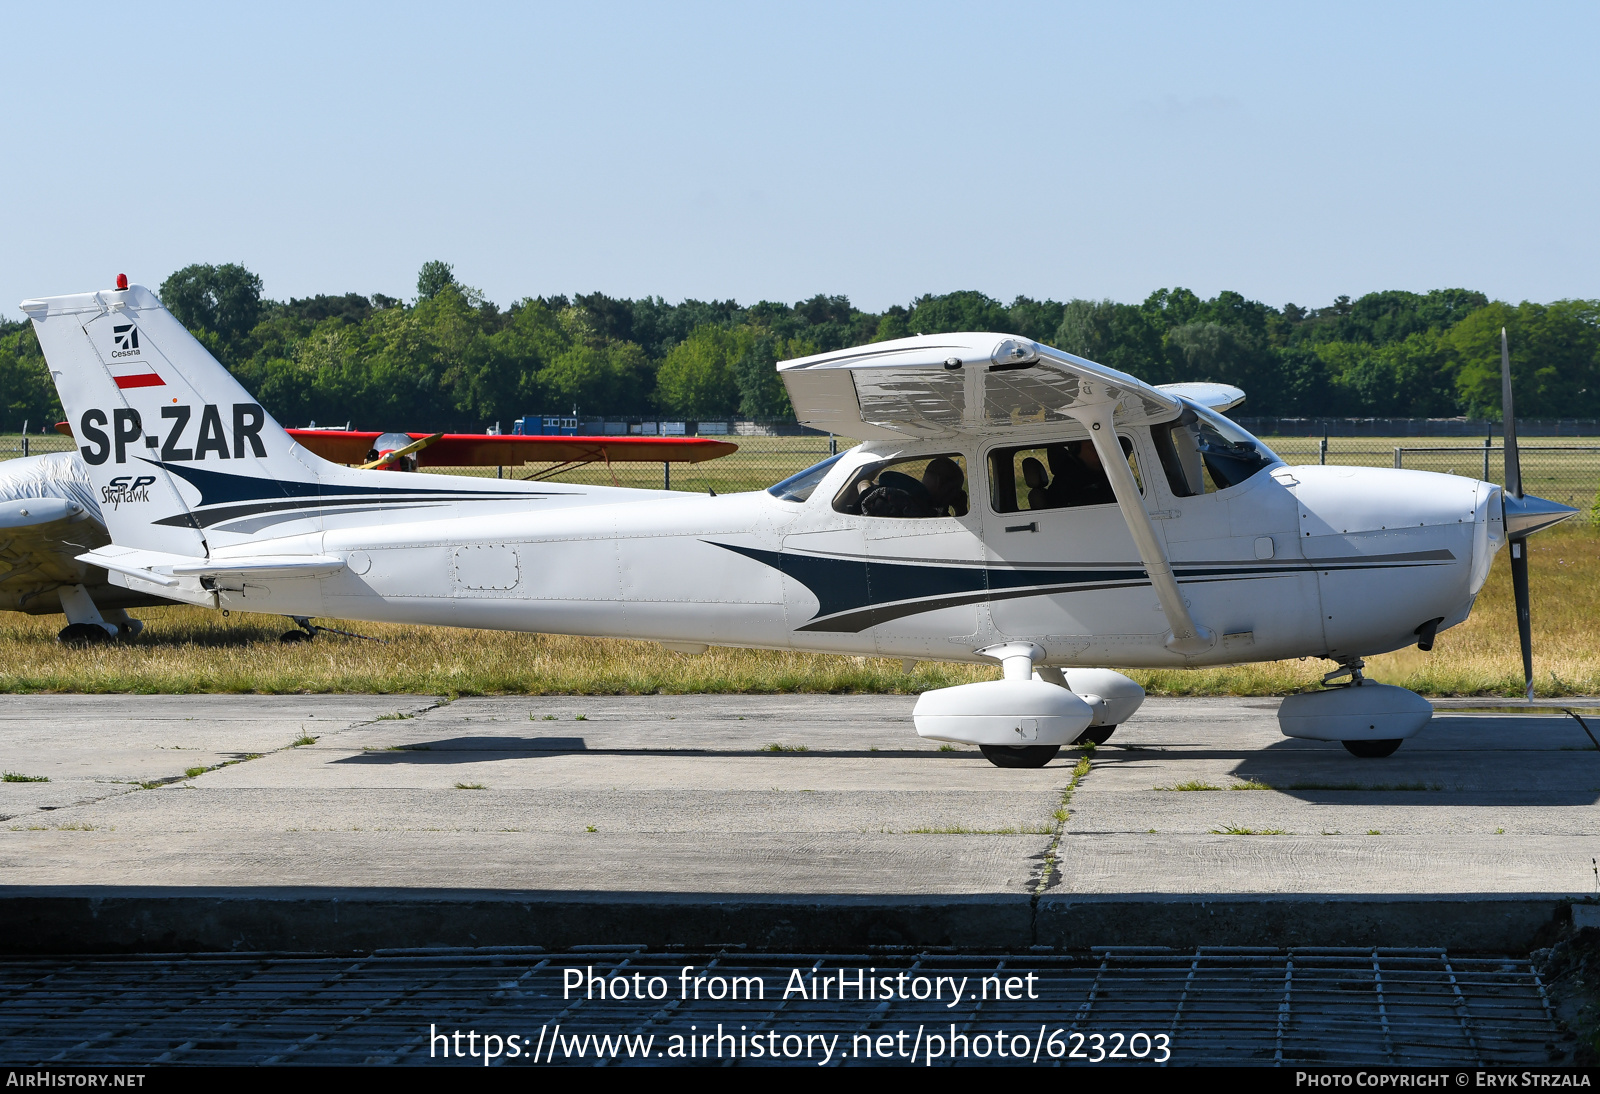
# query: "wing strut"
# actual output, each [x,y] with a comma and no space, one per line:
[1187,636]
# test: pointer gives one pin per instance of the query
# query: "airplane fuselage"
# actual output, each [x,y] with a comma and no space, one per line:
[1295,561]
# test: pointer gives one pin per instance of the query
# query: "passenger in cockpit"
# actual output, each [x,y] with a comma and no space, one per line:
[943,481]
[1077,476]
[1035,478]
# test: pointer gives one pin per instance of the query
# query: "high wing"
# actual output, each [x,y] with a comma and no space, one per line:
[511,450]
[1219,397]
[941,385]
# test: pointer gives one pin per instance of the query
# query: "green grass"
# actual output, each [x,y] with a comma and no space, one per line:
[1192,784]
[195,772]
[1235,830]
[471,786]
[776,747]
[18,777]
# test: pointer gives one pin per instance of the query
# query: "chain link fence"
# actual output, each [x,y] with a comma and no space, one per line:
[1559,468]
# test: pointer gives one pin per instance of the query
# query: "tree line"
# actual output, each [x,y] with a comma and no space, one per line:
[449,358]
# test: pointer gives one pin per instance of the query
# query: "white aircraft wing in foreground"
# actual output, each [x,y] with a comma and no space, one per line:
[1011,503]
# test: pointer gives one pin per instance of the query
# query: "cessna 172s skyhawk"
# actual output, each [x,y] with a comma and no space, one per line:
[1011,503]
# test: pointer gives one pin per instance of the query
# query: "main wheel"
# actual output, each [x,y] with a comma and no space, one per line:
[1372,750]
[82,634]
[1095,735]
[1019,755]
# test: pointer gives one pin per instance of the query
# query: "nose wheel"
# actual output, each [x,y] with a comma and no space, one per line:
[1371,750]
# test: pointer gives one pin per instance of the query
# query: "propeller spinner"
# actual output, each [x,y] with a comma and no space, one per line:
[1524,515]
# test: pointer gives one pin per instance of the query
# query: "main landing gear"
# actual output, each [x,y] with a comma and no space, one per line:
[87,625]
[1024,719]
[1039,755]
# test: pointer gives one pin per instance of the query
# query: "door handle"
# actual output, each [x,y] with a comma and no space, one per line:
[1031,526]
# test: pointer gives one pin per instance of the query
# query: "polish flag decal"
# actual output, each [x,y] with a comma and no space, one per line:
[128,374]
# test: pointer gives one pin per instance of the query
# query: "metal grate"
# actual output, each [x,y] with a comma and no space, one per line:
[1268,1007]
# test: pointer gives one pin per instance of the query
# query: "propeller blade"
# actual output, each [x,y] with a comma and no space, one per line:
[1519,585]
[1509,426]
[397,454]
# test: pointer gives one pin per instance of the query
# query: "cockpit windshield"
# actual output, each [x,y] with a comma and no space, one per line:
[1203,452]
[799,487]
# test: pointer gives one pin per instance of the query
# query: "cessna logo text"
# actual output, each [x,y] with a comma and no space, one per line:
[126,488]
[125,337]
[183,443]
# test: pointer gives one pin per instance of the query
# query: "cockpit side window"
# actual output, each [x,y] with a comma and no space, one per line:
[1053,476]
[1203,452]
[923,486]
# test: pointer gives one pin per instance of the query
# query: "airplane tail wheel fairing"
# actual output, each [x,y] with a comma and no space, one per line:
[1371,750]
[82,634]
[1019,756]
[1095,735]
[289,638]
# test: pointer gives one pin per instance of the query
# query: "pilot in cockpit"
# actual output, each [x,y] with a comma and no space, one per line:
[939,492]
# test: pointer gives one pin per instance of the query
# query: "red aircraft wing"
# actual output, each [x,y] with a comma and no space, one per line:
[514,450]
[511,450]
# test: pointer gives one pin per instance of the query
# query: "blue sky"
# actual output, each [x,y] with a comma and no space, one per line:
[768,151]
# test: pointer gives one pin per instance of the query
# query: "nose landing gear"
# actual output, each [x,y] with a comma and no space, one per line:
[1370,720]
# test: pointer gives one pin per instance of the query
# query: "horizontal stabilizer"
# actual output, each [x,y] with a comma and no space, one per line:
[132,562]
[262,566]
[166,569]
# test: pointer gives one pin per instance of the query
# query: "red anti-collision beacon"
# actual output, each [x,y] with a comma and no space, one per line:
[122,281]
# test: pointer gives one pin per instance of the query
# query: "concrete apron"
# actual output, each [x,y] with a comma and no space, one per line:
[668,821]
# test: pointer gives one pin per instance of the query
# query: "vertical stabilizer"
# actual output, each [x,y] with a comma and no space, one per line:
[154,414]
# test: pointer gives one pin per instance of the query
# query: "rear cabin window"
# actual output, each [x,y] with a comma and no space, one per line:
[1203,452]
[925,486]
[1054,476]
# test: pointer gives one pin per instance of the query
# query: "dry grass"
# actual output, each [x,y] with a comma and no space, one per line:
[193,650]
[186,649]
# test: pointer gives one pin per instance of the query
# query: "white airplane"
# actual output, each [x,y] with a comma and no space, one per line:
[1011,503]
